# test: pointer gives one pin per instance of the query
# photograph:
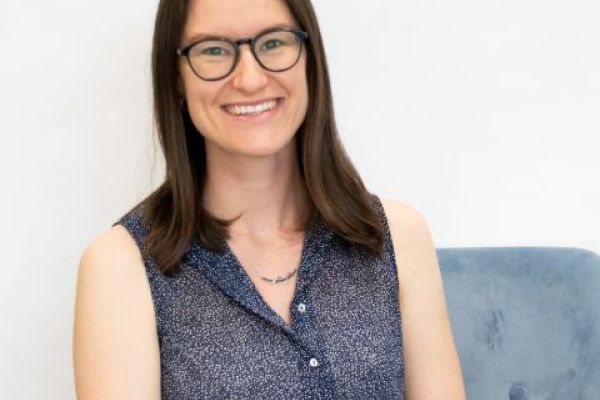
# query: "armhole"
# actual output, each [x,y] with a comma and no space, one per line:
[137,229]
[388,245]
[135,224]
[390,259]
[132,222]
[389,248]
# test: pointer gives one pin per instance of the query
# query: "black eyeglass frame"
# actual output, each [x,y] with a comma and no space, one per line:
[185,51]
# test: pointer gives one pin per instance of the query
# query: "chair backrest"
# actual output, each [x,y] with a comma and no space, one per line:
[526,320]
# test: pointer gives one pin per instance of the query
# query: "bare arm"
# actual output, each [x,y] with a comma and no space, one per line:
[115,344]
[432,364]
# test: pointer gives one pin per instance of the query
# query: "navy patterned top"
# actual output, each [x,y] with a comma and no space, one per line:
[219,339]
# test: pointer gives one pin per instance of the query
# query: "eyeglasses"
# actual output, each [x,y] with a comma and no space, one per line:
[214,58]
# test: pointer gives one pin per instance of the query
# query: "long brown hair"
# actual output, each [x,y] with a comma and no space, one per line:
[174,210]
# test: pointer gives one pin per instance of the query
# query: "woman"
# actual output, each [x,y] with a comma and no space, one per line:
[261,267]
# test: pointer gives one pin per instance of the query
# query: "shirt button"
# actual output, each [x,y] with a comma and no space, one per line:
[301,307]
[313,362]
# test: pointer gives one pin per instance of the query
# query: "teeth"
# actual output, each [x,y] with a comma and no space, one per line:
[240,110]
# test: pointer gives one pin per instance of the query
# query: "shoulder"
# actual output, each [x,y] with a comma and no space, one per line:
[426,328]
[113,253]
[113,261]
[403,215]
[411,238]
[114,327]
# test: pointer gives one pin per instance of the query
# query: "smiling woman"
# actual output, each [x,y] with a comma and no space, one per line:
[261,267]
[208,92]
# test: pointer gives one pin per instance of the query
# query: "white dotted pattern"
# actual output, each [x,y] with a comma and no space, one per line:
[219,339]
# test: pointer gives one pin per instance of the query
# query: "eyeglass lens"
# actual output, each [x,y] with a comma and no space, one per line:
[276,51]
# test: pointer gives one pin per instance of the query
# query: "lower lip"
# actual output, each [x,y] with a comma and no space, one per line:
[264,116]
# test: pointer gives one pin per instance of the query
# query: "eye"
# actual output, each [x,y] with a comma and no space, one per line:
[214,51]
[273,43]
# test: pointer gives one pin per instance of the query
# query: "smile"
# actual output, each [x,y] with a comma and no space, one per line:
[254,112]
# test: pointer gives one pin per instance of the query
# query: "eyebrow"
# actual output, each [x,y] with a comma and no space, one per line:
[201,36]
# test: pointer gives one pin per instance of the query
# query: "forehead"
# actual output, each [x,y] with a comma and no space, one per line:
[235,18]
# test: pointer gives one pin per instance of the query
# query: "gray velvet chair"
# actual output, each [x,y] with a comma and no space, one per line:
[526,321]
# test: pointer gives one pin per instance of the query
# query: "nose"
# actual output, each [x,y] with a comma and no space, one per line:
[248,75]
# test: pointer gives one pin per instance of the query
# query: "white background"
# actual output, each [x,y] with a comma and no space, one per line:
[484,115]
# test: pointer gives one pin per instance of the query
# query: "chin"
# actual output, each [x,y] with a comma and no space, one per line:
[266,148]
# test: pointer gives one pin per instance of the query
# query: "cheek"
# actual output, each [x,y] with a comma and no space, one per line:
[298,84]
[304,85]
[302,91]
[201,104]
[199,118]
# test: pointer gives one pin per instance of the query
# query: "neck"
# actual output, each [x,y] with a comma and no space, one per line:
[269,192]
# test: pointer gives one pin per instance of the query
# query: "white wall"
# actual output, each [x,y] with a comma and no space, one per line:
[484,115]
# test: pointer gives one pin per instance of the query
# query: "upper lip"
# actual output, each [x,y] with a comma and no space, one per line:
[250,103]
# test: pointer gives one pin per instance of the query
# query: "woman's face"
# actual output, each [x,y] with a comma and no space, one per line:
[267,134]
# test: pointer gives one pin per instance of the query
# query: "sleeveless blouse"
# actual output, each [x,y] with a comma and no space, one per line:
[219,339]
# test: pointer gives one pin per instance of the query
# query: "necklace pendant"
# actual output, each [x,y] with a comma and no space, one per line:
[279,279]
